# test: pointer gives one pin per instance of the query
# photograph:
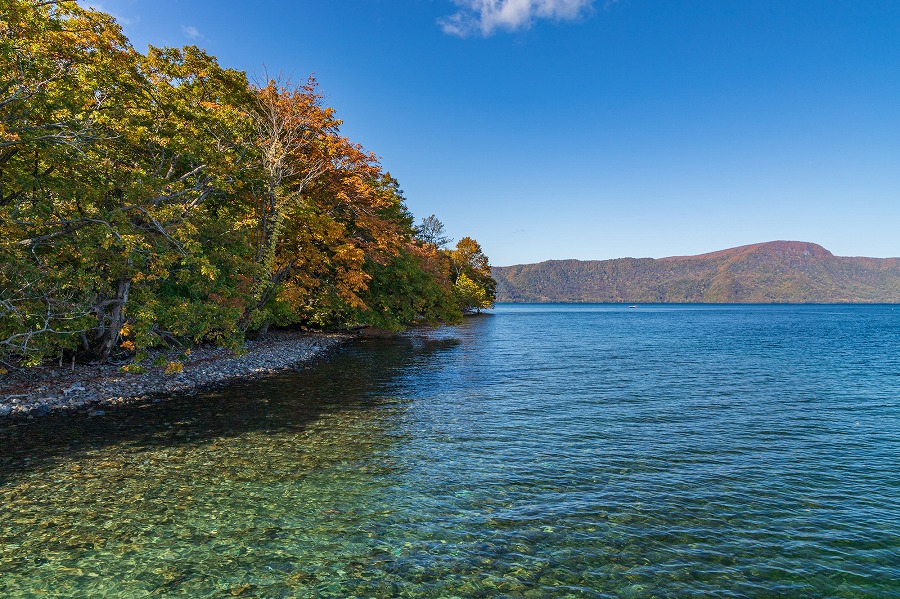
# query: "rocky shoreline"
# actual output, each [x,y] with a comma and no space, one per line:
[95,387]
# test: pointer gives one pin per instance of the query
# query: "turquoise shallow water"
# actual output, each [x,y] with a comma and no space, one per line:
[539,451]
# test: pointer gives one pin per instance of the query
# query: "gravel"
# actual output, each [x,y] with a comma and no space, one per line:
[92,387]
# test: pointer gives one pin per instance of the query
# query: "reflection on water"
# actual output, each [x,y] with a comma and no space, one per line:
[535,452]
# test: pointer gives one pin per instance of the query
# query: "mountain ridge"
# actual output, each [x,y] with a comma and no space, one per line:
[768,272]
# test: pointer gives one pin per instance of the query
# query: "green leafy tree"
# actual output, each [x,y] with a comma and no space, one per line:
[159,197]
[469,261]
[470,295]
[61,66]
[108,160]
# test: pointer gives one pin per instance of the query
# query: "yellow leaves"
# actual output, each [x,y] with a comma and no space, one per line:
[349,254]
[470,294]
[158,270]
[8,137]
[208,271]
[124,333]
[220,202]
[174,367]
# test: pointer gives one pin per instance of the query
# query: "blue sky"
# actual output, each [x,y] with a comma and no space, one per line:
[596,129]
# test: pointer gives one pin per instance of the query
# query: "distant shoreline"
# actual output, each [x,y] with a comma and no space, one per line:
[776,272]
[96,387]
[652,303]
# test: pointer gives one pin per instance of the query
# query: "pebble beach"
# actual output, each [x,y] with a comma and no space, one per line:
[96,387]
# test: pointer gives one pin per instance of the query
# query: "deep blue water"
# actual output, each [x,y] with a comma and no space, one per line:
[537,451]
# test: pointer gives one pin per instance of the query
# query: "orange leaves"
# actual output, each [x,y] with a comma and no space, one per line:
[324,205]
[228,302]
[469,257]
[168,185]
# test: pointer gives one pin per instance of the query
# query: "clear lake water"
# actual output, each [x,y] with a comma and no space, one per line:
[535,451]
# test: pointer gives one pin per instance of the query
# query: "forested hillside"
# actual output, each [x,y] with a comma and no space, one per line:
[776,272]
[161,198]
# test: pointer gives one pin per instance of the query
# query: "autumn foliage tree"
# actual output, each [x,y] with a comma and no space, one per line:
[160,198]
[473,283]
[62,67]
[321,208]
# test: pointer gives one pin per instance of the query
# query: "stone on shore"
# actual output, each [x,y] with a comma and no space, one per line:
[38,391]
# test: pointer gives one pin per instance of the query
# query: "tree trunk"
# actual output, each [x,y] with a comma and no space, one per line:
[109,338]
[270,289]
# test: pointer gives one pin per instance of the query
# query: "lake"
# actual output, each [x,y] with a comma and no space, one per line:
[536,451]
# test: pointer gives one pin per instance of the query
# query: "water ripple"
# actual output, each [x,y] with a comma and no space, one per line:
[540,451]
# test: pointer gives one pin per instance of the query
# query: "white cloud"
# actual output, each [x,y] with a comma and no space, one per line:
[487,16]
[190,31]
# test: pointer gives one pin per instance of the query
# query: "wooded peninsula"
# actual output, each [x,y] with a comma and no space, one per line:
[158,198]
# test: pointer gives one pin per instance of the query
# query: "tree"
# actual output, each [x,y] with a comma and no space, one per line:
[471,267]
[109,159]
[155,198]
[470,295]
[290,126]
[60,68]
[431,230]
[323,206]
[177,150]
